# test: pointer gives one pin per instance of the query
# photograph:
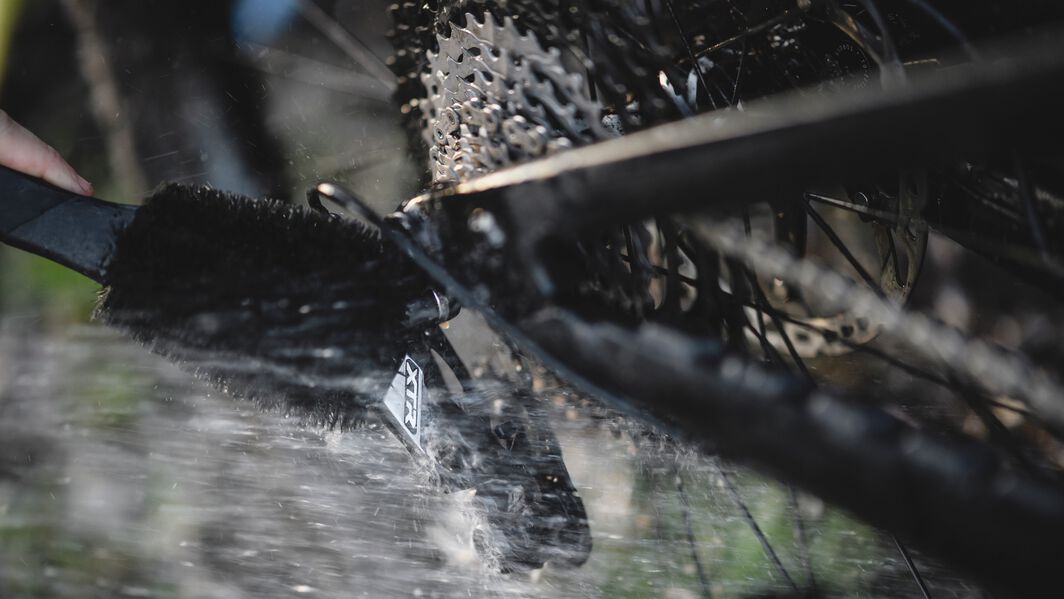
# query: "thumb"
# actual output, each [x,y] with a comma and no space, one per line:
[23,151]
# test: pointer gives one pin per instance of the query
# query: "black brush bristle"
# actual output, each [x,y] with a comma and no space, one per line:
[276,303]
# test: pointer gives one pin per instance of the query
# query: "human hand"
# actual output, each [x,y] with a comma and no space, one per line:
[24,152]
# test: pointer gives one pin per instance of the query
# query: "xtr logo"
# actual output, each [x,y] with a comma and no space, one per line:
[412,403]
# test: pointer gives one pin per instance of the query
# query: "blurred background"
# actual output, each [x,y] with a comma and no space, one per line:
[245,95]
[120,475]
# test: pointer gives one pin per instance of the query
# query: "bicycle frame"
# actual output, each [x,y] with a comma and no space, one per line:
[491,245]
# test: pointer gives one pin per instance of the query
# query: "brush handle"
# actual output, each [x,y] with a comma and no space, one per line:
[75,231]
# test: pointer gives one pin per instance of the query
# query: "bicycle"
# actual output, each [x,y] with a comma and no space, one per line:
[538,249]
[601,259]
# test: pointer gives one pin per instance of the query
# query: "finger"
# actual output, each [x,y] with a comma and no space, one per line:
[23,151]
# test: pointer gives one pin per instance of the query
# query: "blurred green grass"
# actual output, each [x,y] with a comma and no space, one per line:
[32,288]
[35,288]
[9,13]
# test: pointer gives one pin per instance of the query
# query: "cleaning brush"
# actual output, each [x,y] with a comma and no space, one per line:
[314,315]
[288,306]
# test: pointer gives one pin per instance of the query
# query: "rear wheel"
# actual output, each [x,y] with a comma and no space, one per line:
[485,85]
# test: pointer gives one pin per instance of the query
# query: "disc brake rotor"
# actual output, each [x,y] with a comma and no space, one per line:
[894,242]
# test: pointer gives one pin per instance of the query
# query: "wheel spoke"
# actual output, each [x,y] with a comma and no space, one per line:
[803,540]
[914,371]
[294,67]
[1030,210]
[660,271]
[763,307]
[738,75]
[845,251]
[881,215]
[687,47]
[349,43]
[912,567]
[640,273]
[770,552]
[893,256]
[685,505]
[998,433]
[760,27]
[760,300]
[948,25]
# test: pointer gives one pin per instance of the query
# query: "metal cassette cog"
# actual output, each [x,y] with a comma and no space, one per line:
[497,97]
